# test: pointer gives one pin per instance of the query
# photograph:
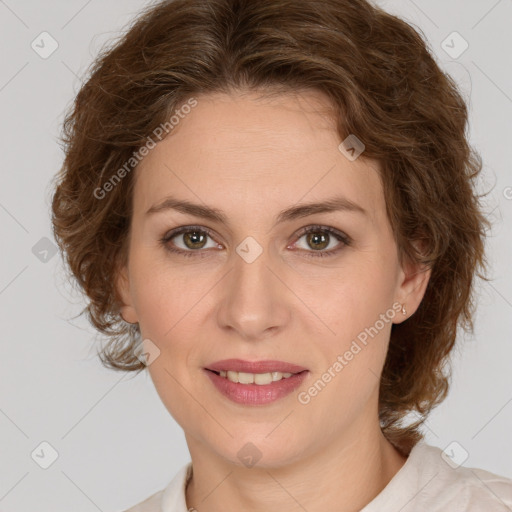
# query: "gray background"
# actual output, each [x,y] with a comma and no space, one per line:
[116,443]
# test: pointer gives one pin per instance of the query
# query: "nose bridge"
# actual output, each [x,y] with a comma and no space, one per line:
[251,264]
[253,302]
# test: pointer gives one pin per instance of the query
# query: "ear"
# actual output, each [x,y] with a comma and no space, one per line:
[122,285]
[412,284]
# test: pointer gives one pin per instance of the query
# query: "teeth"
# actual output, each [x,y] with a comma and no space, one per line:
[254,378]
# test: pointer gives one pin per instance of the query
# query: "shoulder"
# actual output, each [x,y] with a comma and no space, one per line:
[434,480]
[445,484]
[171,498]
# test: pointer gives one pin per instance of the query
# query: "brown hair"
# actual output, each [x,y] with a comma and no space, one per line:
[385,87]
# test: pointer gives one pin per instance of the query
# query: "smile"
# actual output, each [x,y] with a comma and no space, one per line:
[260,379]
[252,389]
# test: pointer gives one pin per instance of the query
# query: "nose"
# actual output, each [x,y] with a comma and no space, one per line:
[254,303]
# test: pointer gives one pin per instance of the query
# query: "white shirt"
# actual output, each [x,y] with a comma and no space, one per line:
[425,483]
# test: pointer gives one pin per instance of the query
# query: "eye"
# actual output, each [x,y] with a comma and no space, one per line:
[319,238]
[190,240]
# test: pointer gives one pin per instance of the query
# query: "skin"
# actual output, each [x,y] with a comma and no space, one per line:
[251,157]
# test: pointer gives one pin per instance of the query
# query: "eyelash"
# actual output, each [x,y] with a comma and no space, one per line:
[341,237]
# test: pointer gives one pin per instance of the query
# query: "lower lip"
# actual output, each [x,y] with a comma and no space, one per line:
[254,394]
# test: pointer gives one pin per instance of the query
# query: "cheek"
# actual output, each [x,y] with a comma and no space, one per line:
[174,390]
[357,309]
[171,306]
[168,308]
[166,296]
[353,299]
[349,377]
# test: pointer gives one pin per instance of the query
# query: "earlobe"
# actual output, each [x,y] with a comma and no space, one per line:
[415,278]
[128,314]
[126,309]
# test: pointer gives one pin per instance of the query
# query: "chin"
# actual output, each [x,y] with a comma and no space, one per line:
[260,451]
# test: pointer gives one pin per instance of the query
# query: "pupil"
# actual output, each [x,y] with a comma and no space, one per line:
[193,236]
[316,238]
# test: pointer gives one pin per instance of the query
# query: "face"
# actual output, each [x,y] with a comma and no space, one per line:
[264,279]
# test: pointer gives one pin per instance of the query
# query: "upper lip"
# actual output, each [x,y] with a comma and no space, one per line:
[239,365]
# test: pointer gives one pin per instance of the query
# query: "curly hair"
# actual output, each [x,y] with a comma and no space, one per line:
[385,87]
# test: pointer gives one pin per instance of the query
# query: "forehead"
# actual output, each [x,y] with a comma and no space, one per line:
[256,152]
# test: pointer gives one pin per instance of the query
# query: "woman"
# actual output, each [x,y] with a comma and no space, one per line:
[270,206]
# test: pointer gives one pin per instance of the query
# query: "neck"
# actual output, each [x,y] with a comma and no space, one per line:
[344,476]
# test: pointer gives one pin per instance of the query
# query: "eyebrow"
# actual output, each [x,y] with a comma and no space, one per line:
[333,204]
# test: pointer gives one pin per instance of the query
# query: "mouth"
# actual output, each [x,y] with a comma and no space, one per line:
[260,379]
[255,383]
[257,370]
